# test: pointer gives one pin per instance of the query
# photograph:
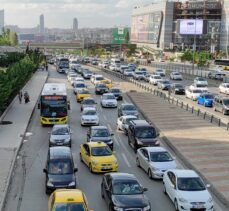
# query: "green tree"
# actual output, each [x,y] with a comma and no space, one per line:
[127,37]
[13,38]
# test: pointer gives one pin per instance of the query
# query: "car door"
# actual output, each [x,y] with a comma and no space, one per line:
[85,153]
[51,202]
[170,184]
[107,189]
[144,159]
[131,134]
[119,122]
[89,135]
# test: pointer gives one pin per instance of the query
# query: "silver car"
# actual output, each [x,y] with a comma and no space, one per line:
[155,161]
[60,136]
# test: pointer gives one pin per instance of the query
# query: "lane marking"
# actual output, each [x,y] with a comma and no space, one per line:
[126,160]
[116,141]
[109,126]
[105,117]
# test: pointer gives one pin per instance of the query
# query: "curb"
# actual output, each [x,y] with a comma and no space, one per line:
[185,161]
[9,178]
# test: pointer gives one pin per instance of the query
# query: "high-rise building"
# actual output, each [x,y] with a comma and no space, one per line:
[1,20]
[75,24]
[42,24]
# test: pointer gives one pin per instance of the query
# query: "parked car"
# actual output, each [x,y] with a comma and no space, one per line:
[187,190]
[164,84]
[123,122]
[100,89]
[216,75]
[60,135]
[142,134]
[221,104]
[160,72]
[108,100]
[154,79]
[128,72]
[155,161]
[175,76]
[100,133]
[201,81]
[122,191]
[193,94]
[88,103]
[206,99]
[177,89]
[138,75]
[224,88]
[98,157]
[116,92]
[89,116]
[127,109]
[59,169]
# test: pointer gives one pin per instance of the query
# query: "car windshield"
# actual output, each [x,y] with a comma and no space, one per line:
[60,131]
[89,102]
[165,82]
[160,157]
[190,184]
[200,79]
[103,132]
[80,85]
[99,78]
[89,112]
[139,73]
[176,73]
[208,96]
[59,167]
[226,102]
[178,86]
[227,85]
[128,70]
[69,207]
[200,85]
[128,108]
[83,91]
[128,187]
[109,97]
[115,90]
[145,132]
[159,71]
[196,91]
[157,77]
[101,151]
[101,86]
[128,120]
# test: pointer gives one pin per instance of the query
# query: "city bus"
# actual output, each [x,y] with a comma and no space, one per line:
[224,63]
[61,64]
[53,104]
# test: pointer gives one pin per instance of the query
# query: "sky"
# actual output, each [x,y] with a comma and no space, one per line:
[60,13]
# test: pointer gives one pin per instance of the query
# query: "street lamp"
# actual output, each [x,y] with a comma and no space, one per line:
[194,46]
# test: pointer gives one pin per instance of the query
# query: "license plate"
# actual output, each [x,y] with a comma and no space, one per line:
[197,206]
[105,168]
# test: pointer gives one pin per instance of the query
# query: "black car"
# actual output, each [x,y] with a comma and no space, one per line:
[122,191]
[142,134]
[127,109]
[100,89]
[100,133]
[177,89]
[116,92]
[59,170]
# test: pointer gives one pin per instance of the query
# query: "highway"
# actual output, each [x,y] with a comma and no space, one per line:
[27,191]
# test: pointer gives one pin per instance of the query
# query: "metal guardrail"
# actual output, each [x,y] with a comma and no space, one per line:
[172,100]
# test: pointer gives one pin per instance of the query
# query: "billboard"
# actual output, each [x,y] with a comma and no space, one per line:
[119,35]
[191,27]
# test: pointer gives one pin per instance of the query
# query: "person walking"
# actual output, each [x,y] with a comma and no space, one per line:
[20,96]
[26,97]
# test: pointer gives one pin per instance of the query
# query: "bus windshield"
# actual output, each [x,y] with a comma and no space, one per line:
[53,106]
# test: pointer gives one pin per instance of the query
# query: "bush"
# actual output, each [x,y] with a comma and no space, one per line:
[8,58]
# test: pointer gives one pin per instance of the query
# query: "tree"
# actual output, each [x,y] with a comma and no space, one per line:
[13,38]
[127,37]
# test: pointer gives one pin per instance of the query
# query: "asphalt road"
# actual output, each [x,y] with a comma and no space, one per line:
[27,191]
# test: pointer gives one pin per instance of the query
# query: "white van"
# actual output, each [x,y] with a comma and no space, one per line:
[116,62]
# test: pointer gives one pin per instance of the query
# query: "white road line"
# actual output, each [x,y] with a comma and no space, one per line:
[116,141]
[126,160]
[109,126]
[123,145]
[105,117]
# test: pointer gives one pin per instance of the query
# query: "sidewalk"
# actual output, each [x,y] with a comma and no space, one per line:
[11,134]
[201,146]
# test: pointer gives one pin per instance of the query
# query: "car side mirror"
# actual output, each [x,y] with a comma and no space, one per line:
[145,189]
[39,106]
[158,134]
[112,134]
[75,169]
[45,171]
[208,185]
[69,105]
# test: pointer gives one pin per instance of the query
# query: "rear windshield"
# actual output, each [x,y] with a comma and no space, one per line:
[60,167]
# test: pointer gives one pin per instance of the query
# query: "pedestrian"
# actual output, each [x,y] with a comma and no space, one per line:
[20,96]
[26,97]
[46,67]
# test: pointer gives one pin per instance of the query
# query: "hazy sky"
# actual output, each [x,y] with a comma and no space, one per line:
[60,13]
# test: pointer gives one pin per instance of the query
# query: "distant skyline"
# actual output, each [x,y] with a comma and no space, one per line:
[60,13]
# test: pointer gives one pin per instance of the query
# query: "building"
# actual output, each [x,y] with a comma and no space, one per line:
[1,20]
[178,25]
[75,25]
[42,24]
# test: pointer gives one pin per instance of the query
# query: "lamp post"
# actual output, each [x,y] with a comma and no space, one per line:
[194,46]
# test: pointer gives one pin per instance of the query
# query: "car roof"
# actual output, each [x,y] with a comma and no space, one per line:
[66,195]
[98,127]
[96,144]
[122,176]
[129,116]
[106,94]
[59,152]
[60,125]
[140,122]
[184,173]
[155,149]
[127,104]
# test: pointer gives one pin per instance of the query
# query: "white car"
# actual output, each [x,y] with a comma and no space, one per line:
[108,100]
[201,81]
[89,116]
[176,76]
[155,161]
[76,80]
[71,75]
[138,75]
[193,94]
[123,68]
[114,67]
[124,121]
[187,190]
[160,72]
[154,79]
[98,79]
[78,86]
[199,86]
[224,88]
[73,64]
[128,72]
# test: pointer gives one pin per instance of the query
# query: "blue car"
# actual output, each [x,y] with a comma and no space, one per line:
[206,99]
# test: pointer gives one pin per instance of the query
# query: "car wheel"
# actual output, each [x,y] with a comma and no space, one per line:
[110,208]
[150,174]
[164,189]
[47,191]
[81,158]
[102,194]
[176,205]
[90,168]
[138,162]
[129,141]
[125,132]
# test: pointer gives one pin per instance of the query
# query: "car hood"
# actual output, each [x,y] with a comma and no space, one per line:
[164,165]
[59,137]
[61,180]
[138,200]
[195,196]
[89,116]
[104,159]
[147,141]
[110,101]
[126,112]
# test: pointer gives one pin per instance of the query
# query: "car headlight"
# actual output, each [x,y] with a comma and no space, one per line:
[72,183]
[52,140]
[182,200]
[210,200]
[139,142]
[146,208]
[49,183]
[67,140]
[94,162]
[118,209]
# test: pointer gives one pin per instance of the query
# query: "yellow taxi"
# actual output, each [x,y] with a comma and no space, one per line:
[107,82]
[81,94]
[98,157]
[68,199]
